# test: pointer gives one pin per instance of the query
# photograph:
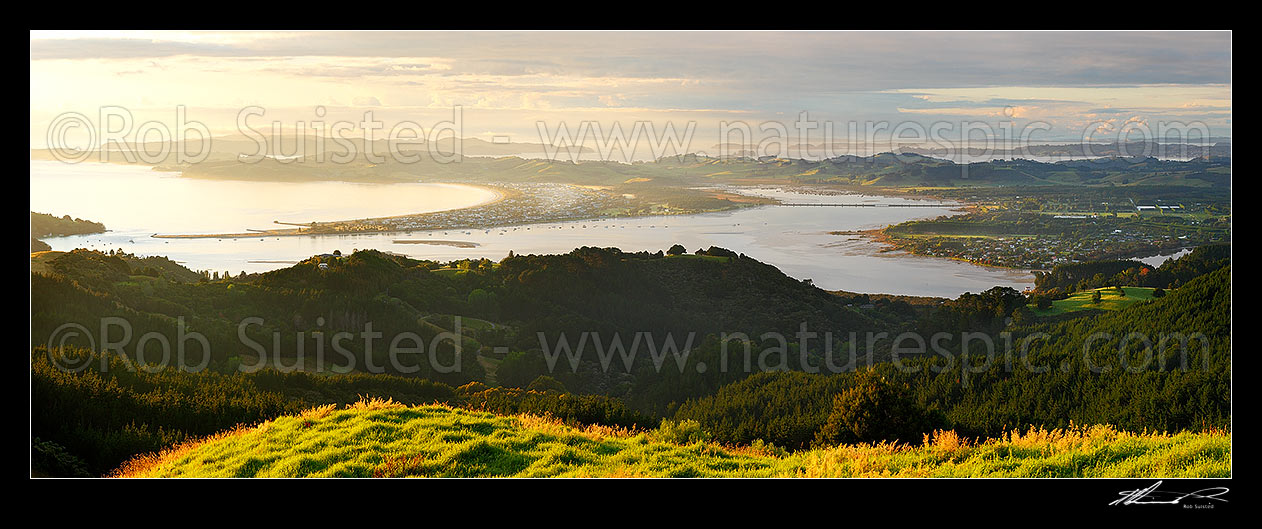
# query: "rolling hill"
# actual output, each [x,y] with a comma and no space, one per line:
[383,439]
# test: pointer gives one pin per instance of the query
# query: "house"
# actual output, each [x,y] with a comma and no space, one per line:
[324,266]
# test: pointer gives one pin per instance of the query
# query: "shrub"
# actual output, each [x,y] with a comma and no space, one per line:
[683,432]
[874,410]
[53,459]
[545,383]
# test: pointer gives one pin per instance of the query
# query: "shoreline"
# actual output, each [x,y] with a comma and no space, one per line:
[741,196]
[295,232]
[878,235]
[499,195]
[502,194]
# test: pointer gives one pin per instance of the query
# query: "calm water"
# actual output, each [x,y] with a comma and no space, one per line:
[134,199]
[134,203]
[1158,259]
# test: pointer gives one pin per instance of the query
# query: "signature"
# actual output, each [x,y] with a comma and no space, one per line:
[1152,496]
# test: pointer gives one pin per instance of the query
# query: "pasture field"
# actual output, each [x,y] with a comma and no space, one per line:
[1109,300]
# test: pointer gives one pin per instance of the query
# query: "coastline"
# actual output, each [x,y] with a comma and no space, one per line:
[502,195]
[491,212]
[879,236]
[498,195]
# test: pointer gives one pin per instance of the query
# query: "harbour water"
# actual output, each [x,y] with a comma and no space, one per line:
[134,203]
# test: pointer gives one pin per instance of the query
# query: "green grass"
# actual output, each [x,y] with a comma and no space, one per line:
[1109,300]
[382,439]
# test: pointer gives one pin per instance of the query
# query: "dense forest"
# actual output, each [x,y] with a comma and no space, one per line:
[1065,279]
[1125,388]
[776,387]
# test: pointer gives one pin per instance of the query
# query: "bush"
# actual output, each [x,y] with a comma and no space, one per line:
[683,432]
[53,459]
[545,383]
[874,410]
[568,407]
[520,368]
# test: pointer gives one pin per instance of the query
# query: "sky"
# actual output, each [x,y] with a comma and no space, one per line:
[1052,85]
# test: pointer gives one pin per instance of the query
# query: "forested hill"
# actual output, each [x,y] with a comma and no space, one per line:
[884,169]
[504,305]
[507,304]
[1119,382]
[45,225]
[600,288]
[1066,278]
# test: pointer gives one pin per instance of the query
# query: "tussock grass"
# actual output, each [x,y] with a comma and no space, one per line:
[380,438]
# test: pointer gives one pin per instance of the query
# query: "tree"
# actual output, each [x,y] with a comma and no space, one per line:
[482,302]
[1120,291]
[519,369]
[1022,315]
[1095,297]
[1158,292]
[874,410]
[545,383]
[1043,302]
[677,249]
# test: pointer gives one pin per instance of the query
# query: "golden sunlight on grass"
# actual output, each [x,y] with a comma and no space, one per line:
[380,438]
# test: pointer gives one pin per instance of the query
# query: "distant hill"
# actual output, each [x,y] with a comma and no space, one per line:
[882,170]
[45,225]
[1079,149]
[1221,147]
[231,147]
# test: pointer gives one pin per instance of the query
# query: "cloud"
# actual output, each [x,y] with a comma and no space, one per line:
[611,100]
[809,60]
[1065,78]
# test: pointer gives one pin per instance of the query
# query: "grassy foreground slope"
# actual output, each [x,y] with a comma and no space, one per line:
[384,439]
